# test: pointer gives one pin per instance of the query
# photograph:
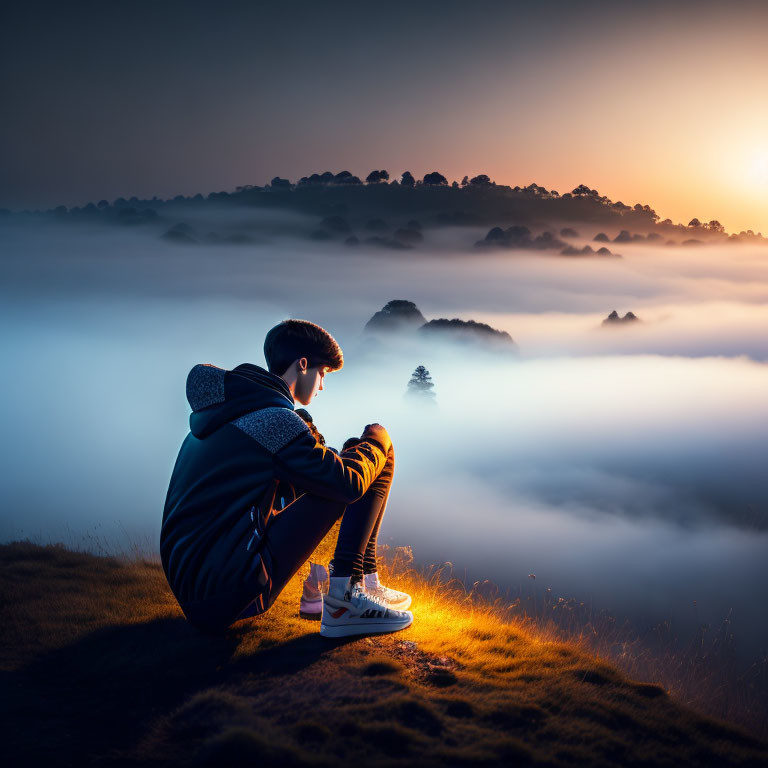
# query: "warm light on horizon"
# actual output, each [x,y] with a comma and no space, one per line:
[654,105]
[759,170]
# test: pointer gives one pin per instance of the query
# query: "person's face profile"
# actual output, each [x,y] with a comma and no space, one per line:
[310,383]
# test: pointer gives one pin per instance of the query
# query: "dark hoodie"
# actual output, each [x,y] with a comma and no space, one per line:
[245,440]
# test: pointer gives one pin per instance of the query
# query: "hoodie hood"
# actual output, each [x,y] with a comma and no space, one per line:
[218,396]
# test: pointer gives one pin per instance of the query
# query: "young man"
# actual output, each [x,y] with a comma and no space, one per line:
[226,549]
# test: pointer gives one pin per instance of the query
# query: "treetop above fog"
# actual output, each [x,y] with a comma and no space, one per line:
[474,201]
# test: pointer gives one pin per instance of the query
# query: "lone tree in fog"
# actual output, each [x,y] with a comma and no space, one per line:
[420,386]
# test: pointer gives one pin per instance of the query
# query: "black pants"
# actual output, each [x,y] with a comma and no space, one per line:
[295,532]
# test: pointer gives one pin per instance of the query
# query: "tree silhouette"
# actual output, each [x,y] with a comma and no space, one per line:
[407,179]
[646,210]
[421,384]
[375,177]
[345,177]
[435,179]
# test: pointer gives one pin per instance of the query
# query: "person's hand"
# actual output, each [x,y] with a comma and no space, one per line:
[304,413]
[380,435]
[350,442]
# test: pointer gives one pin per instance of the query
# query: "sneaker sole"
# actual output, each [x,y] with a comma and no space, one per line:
[311,610]
[347,630]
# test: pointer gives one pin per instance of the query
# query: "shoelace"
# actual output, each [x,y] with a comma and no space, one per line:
[385,593]
[358,593]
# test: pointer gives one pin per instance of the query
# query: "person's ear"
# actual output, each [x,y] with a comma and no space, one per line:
[303,362]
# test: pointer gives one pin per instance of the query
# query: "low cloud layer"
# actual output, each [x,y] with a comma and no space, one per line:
[593,450]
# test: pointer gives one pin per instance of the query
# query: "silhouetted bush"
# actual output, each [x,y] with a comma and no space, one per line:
[180,233]
[434,179]
[467,331]
[519,236]
[396,315]
[345,177]
[615,319]
[375,177]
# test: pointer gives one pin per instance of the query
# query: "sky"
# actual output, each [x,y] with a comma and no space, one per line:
[661,103]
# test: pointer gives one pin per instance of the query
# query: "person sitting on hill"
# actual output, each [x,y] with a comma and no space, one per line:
[226,546]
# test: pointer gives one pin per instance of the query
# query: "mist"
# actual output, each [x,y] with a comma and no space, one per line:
[621,465]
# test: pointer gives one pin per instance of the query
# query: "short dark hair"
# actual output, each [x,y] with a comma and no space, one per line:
[292,339]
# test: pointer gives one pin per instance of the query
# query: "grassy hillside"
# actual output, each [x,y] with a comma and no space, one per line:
[99,667]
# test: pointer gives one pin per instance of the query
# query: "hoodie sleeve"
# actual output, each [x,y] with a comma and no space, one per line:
[299,459]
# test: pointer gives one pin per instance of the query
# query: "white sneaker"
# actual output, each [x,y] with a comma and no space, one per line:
[357,613]
[399,601]
[311,604]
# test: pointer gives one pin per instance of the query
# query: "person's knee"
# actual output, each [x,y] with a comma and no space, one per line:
[389,466]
